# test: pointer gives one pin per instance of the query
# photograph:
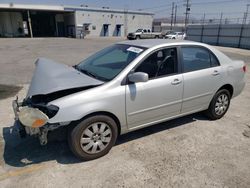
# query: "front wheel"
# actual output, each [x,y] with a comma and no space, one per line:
[93,137]
[219,105]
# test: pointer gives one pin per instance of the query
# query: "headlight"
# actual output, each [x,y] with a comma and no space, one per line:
[32,117]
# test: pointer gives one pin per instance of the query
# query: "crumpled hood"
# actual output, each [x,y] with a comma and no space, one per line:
[50,77]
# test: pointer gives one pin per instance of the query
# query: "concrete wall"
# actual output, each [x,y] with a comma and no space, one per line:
[233,35]
[129,22]
[9,24]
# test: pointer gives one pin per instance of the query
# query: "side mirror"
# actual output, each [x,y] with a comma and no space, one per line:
[138,77]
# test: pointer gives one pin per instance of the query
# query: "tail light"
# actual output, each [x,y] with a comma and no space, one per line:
[244,68]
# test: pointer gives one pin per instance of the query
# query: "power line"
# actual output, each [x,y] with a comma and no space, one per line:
[161,6]
[216,2]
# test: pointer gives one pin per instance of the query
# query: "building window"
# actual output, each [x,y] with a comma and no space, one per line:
[86,27]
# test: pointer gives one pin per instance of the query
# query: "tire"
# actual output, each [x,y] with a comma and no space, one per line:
[137,37]
[85,138]
[156,37]
[219,105]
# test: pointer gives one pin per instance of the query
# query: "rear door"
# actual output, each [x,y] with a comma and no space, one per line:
[201,75]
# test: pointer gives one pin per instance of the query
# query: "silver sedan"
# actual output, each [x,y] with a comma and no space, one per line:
[127,86]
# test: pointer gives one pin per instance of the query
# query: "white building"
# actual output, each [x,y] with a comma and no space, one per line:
[17,20]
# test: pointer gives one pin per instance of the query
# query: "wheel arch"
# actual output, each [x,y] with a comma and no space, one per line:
[228,87]
[109,114]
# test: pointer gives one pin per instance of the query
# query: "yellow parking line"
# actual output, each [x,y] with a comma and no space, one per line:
[22,171]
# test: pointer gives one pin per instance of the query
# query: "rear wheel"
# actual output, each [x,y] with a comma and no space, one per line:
[219,104]
[93,137]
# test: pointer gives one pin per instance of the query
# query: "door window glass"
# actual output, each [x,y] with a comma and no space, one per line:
[195,58]
[160,63]
[214,61]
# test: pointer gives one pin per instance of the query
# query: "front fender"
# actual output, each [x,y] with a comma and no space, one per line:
[76,106]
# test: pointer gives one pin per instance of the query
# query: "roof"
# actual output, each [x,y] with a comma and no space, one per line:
[149,43]
[31,7]
[66,8]
[106,10]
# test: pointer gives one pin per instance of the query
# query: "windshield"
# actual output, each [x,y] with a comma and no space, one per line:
[170,32]
[139,30]
[109,62]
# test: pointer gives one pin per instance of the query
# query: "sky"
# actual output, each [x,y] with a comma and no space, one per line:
[161,8]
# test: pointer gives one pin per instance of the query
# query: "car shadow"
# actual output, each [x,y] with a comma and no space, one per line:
[20,152]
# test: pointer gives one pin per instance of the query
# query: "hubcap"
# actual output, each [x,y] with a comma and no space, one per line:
[96,137]
[221,104]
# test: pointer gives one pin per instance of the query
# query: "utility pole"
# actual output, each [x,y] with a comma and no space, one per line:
[175,15]
[246,15]
[202,28]
[218,36]
[172,16]
[187,12]
[244,21]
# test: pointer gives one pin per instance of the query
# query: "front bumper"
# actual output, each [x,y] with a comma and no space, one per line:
[131,37]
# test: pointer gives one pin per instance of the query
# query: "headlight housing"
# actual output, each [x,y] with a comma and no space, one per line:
[32,117]
[37,116]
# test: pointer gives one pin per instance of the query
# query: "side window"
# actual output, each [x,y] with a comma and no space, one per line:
[214,60]
[144,30]
[195,58]
[160,63]
[148,30]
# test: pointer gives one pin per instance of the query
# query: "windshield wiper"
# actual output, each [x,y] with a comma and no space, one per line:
[84,71]
[88,73]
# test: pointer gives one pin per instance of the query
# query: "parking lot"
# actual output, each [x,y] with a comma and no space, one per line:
[188,152]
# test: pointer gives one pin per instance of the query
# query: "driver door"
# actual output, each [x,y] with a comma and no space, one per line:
[161,96]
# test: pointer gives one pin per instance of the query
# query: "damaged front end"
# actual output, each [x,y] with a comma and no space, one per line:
[32,119]
[50,81]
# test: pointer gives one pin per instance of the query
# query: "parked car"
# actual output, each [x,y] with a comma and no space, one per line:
[125,87]
[166,32]
[176,35]
[143,34]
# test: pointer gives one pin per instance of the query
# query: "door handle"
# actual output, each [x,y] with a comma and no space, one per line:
[215,73]
[176,82]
